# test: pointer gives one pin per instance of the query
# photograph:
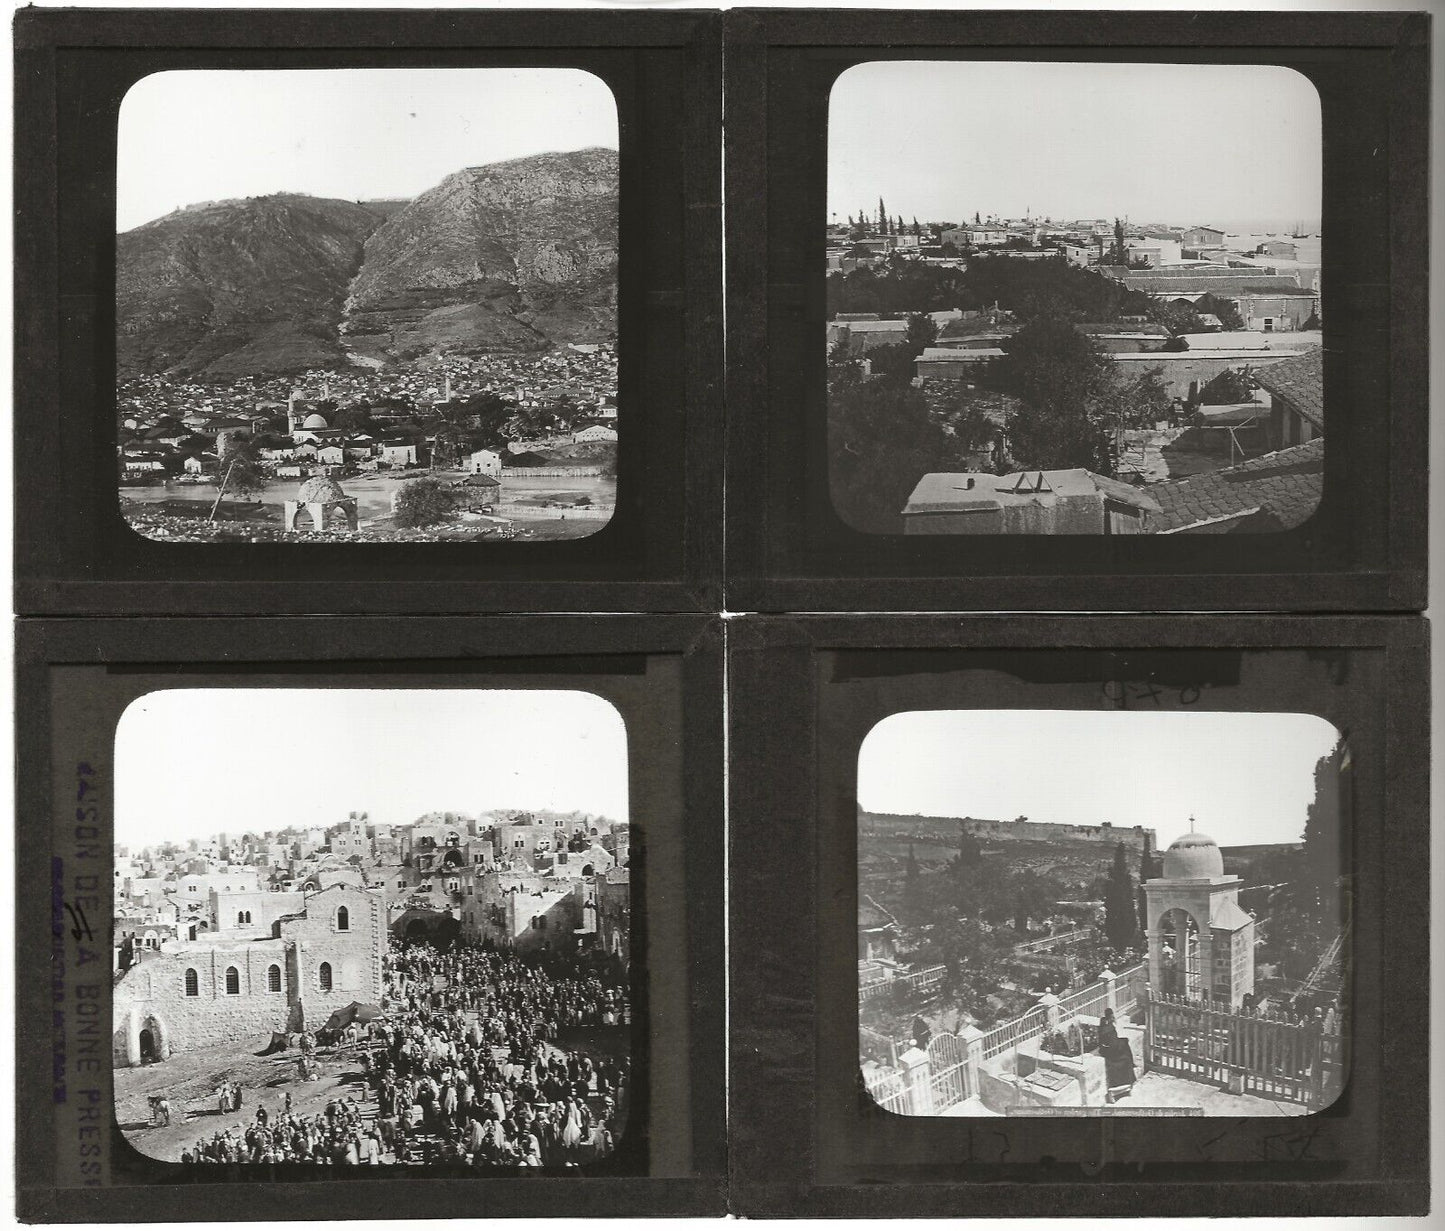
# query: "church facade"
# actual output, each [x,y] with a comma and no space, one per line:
[194,994]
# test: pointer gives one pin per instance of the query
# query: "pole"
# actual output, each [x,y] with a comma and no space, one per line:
[226,478]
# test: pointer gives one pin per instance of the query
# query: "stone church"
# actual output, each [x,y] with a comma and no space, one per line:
[194,994]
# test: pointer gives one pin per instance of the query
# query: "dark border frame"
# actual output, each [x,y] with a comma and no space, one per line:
[547,648]
[787,549]
[662,548]
[797,920]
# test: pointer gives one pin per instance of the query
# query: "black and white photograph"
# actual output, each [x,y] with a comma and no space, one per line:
[367,305]
[1074,298]
[401,937]
[1119,913]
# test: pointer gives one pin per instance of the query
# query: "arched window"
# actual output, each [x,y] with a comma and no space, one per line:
[273,978]
[233,981]
[193,983]
[324,976]
[343,919]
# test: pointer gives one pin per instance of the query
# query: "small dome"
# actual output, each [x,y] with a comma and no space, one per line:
[1194,856]
[320,490]
[315,423]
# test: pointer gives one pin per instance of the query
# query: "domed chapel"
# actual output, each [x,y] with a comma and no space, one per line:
[1201,942]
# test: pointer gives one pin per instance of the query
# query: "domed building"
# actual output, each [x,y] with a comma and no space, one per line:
[1201,942]
[1193,856]
[324,501]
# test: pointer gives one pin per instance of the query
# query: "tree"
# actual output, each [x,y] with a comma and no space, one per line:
[422,502]
[1121,922]
[917,230]
[1229,388]
[1225,309]
[910,870]
[881,441]
[882,218]
[893,362]
[970,849]
[974,430]
[357,417]
[922,332]
[1175,317]
[1150,868]
[1058,373]
[1118,253]
[975,218]
[1033,898]
[241,472]
[1322,838]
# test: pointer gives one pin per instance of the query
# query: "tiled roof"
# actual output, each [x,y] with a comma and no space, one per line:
[1301,382]
[1276,492]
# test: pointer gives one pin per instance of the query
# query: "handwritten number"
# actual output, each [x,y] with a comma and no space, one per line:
[80,925]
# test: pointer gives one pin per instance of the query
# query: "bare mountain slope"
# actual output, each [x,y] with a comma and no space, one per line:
[512,255]
[233,287]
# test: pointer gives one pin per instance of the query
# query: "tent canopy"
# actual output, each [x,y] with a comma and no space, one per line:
[354,1012]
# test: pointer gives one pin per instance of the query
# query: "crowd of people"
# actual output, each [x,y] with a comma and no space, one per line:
[463,1067]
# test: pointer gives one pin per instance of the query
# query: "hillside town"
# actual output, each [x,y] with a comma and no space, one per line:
[450,989]
[1009,965]
[491,445]
[1089,376]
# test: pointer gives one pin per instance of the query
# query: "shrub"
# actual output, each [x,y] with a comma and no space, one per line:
[422,502]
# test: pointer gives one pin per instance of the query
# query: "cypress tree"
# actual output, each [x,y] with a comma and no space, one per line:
[1121,925]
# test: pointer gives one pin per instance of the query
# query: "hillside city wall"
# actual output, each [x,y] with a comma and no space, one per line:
[946,829]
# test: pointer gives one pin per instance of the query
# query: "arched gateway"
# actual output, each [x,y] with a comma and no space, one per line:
[143,1038]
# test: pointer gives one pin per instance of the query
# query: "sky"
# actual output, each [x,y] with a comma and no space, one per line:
[1246,778]
[193,762]
[1184,144]
[209,135]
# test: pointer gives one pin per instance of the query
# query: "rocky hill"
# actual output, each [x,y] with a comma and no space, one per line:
[512,255]
[515,255]
[234,287]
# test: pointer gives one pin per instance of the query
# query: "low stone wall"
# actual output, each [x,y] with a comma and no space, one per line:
[565,513]
[551,472]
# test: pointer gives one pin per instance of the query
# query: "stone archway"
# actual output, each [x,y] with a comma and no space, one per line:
[1185,974]
[149,1052]
[160,1038]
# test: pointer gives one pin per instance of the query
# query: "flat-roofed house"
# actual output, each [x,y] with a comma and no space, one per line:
[953,362]
[1073,501]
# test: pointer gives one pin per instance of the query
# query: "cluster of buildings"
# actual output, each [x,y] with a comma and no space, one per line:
[1271,281]
[1277,490]
[283,927]
[1088,243]
[174,428]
